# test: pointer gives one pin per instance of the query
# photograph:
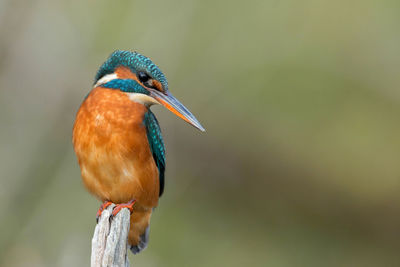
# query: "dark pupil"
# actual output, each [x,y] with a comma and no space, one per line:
[143,77]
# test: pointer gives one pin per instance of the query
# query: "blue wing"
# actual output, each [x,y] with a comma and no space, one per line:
[156,145]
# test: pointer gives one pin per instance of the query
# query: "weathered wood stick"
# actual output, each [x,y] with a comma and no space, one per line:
[109,242]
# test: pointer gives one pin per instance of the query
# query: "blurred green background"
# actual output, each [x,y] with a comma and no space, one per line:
[300,162]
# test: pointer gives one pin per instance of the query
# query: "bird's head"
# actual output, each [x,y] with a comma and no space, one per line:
[143,81]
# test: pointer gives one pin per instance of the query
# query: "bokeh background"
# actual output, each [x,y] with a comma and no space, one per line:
[300,162]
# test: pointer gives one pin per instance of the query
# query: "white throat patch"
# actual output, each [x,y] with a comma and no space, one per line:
[135,97]
[142,99]
[105,79]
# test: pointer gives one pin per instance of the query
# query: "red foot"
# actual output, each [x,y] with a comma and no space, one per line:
[119,207]
[102,208]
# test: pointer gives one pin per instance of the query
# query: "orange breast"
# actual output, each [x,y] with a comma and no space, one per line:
[113,152]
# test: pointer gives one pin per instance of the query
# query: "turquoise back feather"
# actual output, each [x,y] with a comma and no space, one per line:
[156,145]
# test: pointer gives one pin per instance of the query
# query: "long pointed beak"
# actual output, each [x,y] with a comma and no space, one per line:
[171,103]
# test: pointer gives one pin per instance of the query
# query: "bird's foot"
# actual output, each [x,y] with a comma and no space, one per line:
[101,209]
[119,207]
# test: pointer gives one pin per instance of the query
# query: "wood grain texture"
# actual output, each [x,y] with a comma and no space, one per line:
[109,242]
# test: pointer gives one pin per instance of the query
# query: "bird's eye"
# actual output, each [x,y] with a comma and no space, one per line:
[143,77]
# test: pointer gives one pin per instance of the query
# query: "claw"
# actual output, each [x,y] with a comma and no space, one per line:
[119,207]
[101,209]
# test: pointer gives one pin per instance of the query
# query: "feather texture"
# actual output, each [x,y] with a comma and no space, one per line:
[156,145]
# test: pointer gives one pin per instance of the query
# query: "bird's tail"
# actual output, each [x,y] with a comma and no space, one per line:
[143,241]
[139,230]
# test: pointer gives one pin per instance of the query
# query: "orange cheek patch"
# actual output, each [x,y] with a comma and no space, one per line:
[158,85]
[125,73]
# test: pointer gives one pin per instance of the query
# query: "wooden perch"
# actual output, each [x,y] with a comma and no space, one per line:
[110,240]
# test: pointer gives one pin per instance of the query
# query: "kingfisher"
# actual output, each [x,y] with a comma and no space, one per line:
[118,141]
